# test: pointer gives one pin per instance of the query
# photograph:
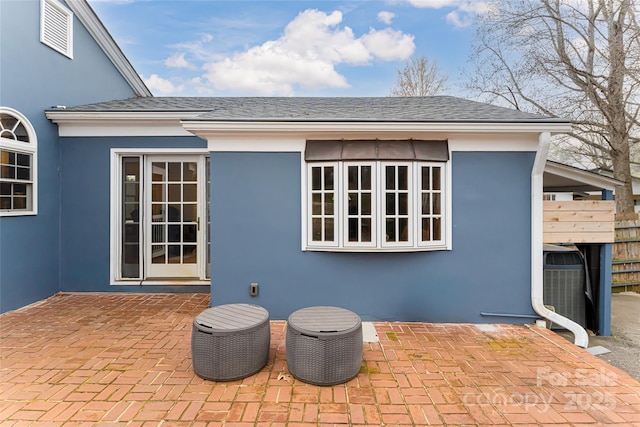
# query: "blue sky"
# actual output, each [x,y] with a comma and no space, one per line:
[287,48]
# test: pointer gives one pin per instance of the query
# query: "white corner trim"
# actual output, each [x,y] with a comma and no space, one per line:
[92,23]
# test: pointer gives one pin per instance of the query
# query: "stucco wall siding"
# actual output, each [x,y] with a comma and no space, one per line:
[85,211]
[256,212]
[34,77]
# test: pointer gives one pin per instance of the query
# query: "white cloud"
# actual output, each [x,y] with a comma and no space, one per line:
[178,61]
[386,17]
[435,4]
[388,44]
[305,56]
[161,86]
[464,12]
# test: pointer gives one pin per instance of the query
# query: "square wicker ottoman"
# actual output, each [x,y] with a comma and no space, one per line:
[231,341]
[324,345]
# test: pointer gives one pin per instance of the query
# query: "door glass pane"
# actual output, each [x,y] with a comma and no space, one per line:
[174,171]
[189,211]
[174,191]
[190,192]
[190,171]
[130,180]
[158,171]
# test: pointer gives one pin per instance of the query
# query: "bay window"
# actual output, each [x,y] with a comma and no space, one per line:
[376,195]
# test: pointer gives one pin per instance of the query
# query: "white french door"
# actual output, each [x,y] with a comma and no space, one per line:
[175,224]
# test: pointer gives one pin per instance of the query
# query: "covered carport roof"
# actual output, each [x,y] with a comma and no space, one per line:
[559,178]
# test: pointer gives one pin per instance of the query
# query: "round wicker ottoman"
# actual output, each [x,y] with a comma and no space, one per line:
[231,341]
[324,345]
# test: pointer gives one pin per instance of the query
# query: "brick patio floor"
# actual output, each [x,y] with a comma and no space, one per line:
[114,359]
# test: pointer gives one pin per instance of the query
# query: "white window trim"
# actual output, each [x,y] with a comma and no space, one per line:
[68,30]
[28,148]
[115,213]
[340,228]
[343,206]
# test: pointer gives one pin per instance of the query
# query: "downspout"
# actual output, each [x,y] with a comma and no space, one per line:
[537,263]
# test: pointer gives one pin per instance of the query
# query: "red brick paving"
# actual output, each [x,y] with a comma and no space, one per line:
[114,359]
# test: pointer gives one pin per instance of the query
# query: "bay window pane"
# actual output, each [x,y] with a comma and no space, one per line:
[353,177]
[316,178]
[328,178]
[353,229]
[426,203]
[366,230]
[353,204]
[366,177]
[390,175]
[316,229]
[391,204]
[328,229]
[390,229]
[426,229]
[316,204]
[403,228]
[426,183]
[436,179]
[366,204]
[328,207]
[403,204]
[437,229]
[436,204]
[403,178]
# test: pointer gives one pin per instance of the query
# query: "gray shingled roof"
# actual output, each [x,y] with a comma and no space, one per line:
[381,109]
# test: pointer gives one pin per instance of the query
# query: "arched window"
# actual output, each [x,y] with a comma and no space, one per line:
[18,164]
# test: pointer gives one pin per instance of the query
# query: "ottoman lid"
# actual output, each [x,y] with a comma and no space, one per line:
[232,317]
[324,319]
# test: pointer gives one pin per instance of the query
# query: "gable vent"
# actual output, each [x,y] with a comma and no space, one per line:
[56,27]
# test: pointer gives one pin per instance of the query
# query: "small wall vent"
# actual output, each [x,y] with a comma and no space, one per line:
[56,27]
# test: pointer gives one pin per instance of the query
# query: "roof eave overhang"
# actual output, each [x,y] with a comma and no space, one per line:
[120,123]
[577,180]
[208,129]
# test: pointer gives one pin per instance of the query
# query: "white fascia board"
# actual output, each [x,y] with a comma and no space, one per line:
[293,138]
[214,128]
[94,26]
[582,176]
[89,124]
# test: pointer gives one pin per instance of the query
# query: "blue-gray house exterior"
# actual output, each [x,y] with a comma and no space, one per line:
[256,191]
[34,77]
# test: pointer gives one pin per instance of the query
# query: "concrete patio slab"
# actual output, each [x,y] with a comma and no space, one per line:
[116,359]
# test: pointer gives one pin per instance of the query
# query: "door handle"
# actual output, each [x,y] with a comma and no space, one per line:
[198,221]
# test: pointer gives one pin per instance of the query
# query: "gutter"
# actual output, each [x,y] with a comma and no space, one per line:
[537,263]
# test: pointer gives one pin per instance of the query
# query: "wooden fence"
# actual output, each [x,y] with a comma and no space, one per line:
[626,256]
[579,221]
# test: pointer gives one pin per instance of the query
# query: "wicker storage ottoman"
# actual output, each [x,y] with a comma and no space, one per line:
[324,345]
[231,341]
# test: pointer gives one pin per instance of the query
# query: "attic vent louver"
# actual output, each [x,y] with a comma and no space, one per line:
[56,27]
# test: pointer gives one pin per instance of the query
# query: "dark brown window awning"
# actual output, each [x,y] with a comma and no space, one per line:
[406,149]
